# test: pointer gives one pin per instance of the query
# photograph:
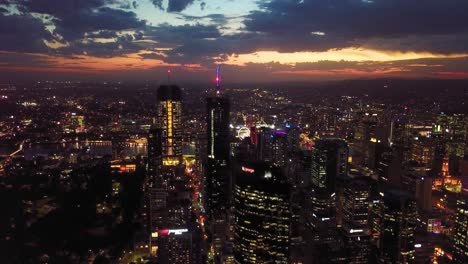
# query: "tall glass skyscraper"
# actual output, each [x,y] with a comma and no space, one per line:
[399,214]
[329,160]
[262,215]
[217,175]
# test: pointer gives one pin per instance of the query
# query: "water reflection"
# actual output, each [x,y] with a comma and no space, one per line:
[97,148]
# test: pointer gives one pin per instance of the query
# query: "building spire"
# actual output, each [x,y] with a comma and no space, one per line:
[218,78]
[169,77]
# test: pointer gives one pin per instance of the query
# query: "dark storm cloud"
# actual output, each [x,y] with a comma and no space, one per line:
[180,35]
[173,5]
[23,33]
[121,46]
[74,25]
[353,21]
[204,51]
[74,21]
[178,5]
[59,8]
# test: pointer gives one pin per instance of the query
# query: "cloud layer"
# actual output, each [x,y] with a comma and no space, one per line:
[115,28]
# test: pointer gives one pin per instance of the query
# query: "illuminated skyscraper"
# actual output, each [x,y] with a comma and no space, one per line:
[460,254]
[329,161]
[262,216]
[169,120]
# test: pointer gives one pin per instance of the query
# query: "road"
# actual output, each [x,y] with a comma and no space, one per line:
[20,148]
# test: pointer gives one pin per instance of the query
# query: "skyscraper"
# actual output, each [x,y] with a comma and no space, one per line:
[460,254]
[355,225]
[169,120]
[329,161]
[217,176]
[218,128]
[399,214]
[154,153]
[262,216]
[217,168]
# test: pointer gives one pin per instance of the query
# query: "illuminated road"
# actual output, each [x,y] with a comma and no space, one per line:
[20,148]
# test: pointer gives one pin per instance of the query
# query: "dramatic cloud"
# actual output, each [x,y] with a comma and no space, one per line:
[173,5]
[74,25]
[23,33]
[178,5]
[323,24]
[276,37]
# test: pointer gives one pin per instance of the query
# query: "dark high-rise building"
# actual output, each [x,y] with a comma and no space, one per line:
[355,226]
[154,153]
[399,214]
[217,173]
[262,216]
[218,128]
[460,254]
[169,120]
[217,170]
[280,148]
[264,144]
[329,160]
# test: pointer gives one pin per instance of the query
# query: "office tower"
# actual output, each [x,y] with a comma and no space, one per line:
[329,160]
[419,188]
[264,144]
[355,226]
[174,246]
[217,173]
[399,214]
[218,128]
[280,148]
[157,204]
[363,137]
[154,153]
[460,254]
[272,146]
[169,120]
[400,135]
[389,168]
[262,217]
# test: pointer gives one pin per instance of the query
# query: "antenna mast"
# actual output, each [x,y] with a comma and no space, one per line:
[218,78]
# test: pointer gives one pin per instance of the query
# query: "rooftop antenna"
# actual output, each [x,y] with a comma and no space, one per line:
[218,78]
[169,76]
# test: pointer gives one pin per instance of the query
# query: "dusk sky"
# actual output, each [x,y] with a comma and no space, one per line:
[263,40]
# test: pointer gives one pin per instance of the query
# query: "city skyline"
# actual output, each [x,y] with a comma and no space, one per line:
[274,40]
[233,132]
